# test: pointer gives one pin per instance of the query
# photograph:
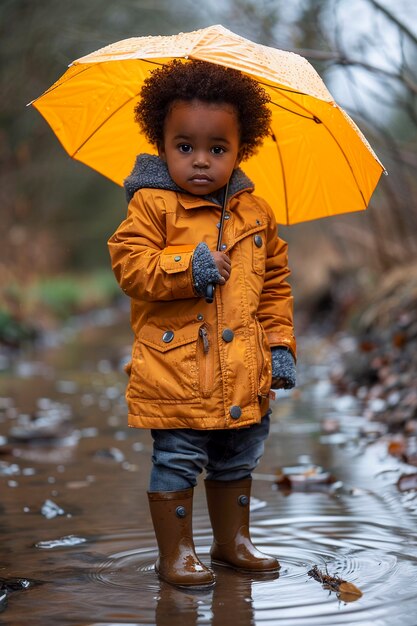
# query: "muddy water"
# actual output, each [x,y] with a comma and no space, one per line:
[75,530]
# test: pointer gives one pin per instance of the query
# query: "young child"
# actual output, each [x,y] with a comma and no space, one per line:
[201,372]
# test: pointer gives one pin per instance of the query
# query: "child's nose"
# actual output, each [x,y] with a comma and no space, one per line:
[201,159]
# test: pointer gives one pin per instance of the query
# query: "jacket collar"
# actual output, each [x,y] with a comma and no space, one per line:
[151,172]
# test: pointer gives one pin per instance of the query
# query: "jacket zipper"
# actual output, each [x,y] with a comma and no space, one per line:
[204,335]
[205,363]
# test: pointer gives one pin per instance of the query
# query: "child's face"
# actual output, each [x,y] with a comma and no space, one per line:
[201,145]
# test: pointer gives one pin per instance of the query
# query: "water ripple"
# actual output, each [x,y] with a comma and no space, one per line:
[366,553]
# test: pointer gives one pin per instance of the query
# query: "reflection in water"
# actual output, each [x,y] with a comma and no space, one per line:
[95,559]
[229,602]
[172,603]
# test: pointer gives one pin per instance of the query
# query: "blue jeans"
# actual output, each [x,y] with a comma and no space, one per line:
[180,455]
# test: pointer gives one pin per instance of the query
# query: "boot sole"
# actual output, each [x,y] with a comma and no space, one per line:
[245,570]
[196,587]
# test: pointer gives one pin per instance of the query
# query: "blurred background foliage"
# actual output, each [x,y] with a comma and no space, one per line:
[57,214]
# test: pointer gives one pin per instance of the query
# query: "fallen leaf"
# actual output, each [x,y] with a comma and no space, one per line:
[348,592]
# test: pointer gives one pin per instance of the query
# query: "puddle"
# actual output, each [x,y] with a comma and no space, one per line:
[92,550]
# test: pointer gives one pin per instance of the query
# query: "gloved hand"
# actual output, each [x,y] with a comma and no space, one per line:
[283,368]
[205,268]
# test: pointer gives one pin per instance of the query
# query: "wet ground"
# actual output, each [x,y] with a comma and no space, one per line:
[77,546]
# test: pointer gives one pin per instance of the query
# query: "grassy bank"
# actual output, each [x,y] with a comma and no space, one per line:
[28,310]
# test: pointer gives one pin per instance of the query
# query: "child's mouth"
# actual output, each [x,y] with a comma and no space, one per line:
[200,179]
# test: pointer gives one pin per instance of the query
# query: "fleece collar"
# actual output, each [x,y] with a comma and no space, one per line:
[151,172]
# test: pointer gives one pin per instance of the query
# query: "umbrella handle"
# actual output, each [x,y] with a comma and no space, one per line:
[210,293]
[210,287]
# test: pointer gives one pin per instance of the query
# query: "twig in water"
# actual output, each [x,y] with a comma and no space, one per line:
[347,592]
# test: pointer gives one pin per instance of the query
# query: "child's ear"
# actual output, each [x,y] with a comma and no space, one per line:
[238,158]
[161,150]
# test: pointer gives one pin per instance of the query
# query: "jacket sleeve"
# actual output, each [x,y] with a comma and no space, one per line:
[275,310]
[145,268]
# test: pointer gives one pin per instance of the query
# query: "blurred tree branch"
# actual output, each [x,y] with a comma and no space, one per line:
[392,18]
[377,76]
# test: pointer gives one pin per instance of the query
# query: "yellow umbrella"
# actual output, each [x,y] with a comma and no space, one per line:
[316,162]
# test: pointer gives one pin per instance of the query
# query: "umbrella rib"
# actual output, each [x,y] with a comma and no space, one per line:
[87,139]
[299,93]
[348,162]
[113,112]
[311,115]
[60,82]
[284,182]
[313,118]
[319,121]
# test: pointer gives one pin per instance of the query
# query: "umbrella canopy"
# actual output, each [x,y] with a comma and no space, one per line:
[316,162]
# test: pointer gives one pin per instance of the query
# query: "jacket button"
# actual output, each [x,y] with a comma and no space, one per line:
[168,336]
[228,335]
[177,258]
[258,241]
[235,412]
[224,246]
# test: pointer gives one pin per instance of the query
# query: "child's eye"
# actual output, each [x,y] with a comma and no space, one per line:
[185,148]
[218,150]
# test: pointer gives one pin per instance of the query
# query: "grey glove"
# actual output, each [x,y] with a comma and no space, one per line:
[283,366]
[204,269]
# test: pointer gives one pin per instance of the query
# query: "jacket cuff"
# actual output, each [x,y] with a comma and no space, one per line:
[283,366]
[283,339]
[204,269]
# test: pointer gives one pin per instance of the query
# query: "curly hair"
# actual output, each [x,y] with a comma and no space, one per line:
[200,80]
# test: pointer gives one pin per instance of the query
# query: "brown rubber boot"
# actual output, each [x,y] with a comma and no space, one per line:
[228,505]
[177,562]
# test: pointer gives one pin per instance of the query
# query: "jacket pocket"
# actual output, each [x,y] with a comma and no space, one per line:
[176,259]
[164,365]
[264,360]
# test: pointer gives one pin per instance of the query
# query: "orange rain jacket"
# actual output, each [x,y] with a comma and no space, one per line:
[199,365]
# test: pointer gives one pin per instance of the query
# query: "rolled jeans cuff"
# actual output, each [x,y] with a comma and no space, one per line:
[180,455]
